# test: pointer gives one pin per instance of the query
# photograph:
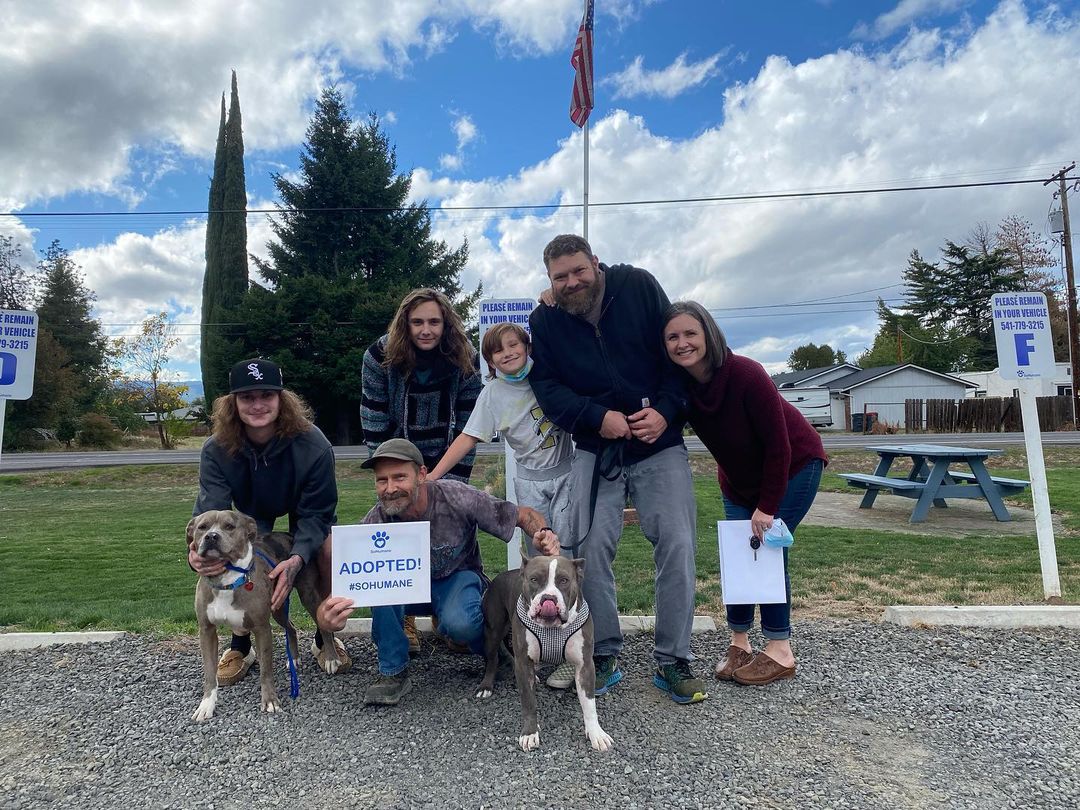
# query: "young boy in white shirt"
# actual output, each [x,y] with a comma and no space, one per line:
[543,452]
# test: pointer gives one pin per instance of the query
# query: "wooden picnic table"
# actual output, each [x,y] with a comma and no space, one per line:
[931,481]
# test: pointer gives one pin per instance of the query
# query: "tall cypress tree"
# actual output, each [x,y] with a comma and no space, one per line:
[226,279]
[337,276]
[214,206]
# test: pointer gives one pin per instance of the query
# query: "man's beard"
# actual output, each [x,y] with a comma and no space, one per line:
[582,300]
[392,507]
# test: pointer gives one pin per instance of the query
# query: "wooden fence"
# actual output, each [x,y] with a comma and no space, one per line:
[983,415]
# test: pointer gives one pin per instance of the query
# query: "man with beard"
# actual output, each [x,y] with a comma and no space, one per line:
[455,511]
[601,372]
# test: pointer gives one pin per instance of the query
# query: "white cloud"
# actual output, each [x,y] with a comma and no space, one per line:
[85,83]
[905,13]
[952,109]
[466,132]
[678,77]
[958,107]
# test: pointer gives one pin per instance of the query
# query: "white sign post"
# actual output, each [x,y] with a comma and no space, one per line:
[382,563]
[18,353]
[1026,354]
[504,310]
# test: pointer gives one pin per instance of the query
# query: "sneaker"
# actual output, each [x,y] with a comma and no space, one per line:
[562,677]
[387,690]
[233,666]
[412,635]
[607,672]
[679,682]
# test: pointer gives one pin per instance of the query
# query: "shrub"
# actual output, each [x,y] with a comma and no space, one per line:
[98,432]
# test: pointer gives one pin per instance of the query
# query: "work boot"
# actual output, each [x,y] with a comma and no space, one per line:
[412,634]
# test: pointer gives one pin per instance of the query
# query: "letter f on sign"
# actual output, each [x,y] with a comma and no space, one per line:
[1024,348]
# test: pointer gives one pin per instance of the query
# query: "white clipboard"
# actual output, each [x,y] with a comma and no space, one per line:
[744,580]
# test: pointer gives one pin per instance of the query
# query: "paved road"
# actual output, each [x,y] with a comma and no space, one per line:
[20,462]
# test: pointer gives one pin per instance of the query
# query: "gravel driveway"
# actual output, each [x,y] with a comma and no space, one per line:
[878,716]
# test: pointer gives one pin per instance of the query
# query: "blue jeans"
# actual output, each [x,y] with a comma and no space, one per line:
[455,602]
[799,495]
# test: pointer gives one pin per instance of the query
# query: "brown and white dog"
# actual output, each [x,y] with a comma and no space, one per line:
[241,599]
[542,603]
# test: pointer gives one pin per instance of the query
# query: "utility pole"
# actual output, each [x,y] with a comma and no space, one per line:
[1074,339]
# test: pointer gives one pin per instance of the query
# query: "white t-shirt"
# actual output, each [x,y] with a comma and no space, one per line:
[511,409]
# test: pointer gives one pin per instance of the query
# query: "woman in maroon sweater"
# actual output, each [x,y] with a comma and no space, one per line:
[769,462]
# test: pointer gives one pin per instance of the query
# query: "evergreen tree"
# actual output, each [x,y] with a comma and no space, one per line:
[215,206]
[950,301]
[64,308]
[226,278]
[348,247]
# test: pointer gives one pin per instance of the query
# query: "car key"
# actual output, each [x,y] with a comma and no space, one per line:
[755,544]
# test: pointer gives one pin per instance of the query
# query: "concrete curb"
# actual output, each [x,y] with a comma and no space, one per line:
[355,627]
[1007,617]
[28,641]
[628,624]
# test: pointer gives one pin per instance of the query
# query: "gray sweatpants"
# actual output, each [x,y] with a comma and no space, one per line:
[662,490]
[551,498]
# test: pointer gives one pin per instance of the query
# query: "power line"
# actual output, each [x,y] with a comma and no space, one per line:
[780,195]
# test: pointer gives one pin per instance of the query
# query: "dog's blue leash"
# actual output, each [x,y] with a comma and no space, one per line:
[294,679]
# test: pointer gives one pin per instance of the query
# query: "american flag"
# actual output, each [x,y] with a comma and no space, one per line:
[581,101]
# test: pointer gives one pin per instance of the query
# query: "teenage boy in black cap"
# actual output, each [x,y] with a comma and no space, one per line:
[455,511]
[267,459]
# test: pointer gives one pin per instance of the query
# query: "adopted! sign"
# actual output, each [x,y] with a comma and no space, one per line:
[382,563]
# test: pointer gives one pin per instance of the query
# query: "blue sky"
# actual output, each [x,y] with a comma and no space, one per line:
[117,111]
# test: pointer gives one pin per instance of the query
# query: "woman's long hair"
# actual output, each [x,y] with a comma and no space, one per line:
[294,418]
[454,345]
[716,348]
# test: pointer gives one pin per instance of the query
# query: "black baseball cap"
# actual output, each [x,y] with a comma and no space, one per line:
[255,375]
[398,449]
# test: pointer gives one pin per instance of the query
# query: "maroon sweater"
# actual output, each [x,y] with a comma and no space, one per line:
[759,439]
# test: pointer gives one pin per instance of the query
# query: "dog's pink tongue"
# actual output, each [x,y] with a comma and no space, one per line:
[549,609]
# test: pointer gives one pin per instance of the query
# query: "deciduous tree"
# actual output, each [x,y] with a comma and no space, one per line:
[810,355]
[148,353]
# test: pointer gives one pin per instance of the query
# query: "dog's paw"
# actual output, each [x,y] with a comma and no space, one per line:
[330,667]
[206,708]
[600,739]
[529,742]
[484,693]
[272,705]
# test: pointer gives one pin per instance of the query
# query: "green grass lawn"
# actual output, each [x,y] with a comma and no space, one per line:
[104,549]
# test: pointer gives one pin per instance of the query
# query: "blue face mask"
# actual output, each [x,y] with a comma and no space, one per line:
[778,535]
[519,375]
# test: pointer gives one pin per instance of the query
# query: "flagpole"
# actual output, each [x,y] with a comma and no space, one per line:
[585,198]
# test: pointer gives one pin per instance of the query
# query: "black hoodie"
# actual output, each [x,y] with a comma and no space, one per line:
[581,371]
[290,476]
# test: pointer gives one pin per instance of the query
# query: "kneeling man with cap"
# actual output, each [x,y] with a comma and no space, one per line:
[455,511]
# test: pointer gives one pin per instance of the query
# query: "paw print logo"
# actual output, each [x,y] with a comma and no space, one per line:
[379,539]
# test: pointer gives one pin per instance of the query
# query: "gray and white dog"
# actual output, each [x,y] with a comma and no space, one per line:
[241,598]
[542,603]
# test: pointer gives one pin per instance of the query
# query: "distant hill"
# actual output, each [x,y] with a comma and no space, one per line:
[194,389]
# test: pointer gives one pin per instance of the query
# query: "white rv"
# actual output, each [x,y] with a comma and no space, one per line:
[812,402]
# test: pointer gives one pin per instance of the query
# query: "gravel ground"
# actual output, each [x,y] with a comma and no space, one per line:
[879,716]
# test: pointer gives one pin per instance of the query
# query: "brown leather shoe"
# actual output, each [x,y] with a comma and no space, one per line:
[761,671]
[734,658]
